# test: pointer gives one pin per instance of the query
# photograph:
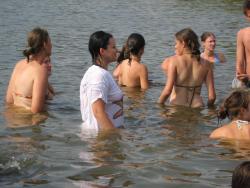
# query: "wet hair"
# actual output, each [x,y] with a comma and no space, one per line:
[133,46]
[189,37]
[98,40]
[35,42]
[205,35]
[246,6]
[233,103]
[241,176]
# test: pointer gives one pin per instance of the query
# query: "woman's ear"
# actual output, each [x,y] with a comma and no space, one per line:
[242,112]
[101,51]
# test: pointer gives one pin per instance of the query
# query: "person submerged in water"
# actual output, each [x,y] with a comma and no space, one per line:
[208,40]
[101,100]
[28,85]
[236,107]
[130,71]
[186,73]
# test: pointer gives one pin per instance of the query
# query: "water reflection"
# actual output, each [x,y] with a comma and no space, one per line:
[103,155]
[17,117]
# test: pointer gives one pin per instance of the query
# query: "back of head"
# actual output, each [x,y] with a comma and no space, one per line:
[246,6]
[241,176]
[189,37]
[98,40]
[205,35]
[35,41]
[233,103]
[133,46]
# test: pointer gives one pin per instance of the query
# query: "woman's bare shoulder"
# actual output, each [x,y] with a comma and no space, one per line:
[221,132]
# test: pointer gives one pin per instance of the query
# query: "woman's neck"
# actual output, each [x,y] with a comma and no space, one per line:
[136,58]
[209,53]
[39,58]
[101,64]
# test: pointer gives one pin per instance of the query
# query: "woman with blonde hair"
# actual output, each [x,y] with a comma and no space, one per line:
[28,85]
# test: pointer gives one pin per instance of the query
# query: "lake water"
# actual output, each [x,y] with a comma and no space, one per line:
[161,146]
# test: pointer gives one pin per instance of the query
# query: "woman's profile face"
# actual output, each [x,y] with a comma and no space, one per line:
[179,47]
[247,15]
[210,43]
[48,47]
[246,113]
[111,52]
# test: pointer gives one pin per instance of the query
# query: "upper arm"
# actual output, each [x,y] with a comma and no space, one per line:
[144,77]
[172,73]
[40,86]
[165,65]
[210,84]
[222,58]
[218,133]
[9,94]
[117,71]
[101,116]
[240,54]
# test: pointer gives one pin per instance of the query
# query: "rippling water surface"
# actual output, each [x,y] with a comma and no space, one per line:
[161,146]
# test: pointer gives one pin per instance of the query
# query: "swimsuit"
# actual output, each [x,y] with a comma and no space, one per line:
[216,59]
[21,95]
[240,123]
[189,89]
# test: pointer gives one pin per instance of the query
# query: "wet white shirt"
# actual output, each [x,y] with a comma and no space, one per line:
[98,83]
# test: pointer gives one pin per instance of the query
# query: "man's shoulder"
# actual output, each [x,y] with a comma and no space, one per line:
[244,31]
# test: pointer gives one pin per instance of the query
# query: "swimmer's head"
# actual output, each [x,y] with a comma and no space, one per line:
[246,8]
[133,46]
[191,41]
[97,41]
[38,40]
[234,105]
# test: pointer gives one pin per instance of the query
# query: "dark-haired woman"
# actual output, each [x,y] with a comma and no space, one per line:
[186,73]
[236,107]
[130,71]
[100,97]
[28,85]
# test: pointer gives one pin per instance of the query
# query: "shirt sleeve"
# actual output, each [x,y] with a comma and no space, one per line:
[99,91]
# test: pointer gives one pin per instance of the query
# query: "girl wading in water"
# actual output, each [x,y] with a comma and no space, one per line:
[186,73]
[100,97]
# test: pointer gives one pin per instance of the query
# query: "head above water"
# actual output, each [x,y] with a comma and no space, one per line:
[98,40]
[241,176]
[233,105]
[191,41]
[205,35]
[246,7]
[133,46]
[36,41]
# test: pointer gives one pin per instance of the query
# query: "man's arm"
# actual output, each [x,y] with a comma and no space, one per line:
[240,55]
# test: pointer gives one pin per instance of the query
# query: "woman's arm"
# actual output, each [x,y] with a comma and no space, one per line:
[117,71]
[222,58]
[39,92]
[210,87]
[101,116]
[9,94]
[169,84]
[144,77]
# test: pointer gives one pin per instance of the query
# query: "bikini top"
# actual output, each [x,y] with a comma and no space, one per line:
[240,123]
[23,96]
[216,59]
